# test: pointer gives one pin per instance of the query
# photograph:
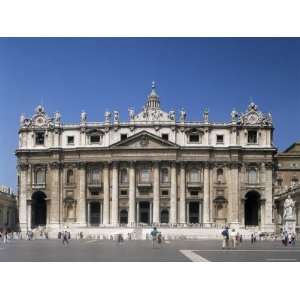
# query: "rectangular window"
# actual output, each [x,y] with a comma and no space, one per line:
[70,140]
[165,193]
[123,137]
[94,193]
[165,136]
[194,193]
[220,139]
[252,137]
[123,192]
[39,138]
[194,138]
[95,139]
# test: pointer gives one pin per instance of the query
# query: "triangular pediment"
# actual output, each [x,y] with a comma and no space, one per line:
[145,140]
[294,148]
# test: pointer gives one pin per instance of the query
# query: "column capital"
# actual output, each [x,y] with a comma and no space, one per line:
[56,165]
[115,163]
[23,166]
[81,165]
[269,165]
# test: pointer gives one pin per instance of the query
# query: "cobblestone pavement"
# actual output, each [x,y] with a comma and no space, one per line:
[136,251]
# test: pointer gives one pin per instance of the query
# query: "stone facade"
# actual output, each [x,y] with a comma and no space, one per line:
[156,168]
[8,209]
[287,176]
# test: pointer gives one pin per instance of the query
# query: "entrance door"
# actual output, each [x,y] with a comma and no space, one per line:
[144,212]
[193,212]
[252,208]
[38,209]
[95,213]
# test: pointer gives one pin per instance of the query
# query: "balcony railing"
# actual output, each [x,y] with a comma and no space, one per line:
[38,186]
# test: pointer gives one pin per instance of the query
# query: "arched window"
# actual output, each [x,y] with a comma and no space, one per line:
[40,176]
[145,175]
[124,176]
[295,181]
[123,216]
[94,176]
[194,175]
[164,175]
[220,177]
[252,176]
[70,177]
[164,216]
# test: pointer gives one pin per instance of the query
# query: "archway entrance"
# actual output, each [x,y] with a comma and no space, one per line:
[38,209]
[252,208]
[193,212]
[144,212]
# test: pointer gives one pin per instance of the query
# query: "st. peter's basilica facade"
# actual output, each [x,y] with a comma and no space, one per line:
[157,168]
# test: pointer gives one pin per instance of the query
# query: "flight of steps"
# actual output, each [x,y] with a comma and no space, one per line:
[142,233]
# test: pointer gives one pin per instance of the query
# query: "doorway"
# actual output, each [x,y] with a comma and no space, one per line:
[144,212]
[252,208]
[95,213]
[194,212]
[38,209]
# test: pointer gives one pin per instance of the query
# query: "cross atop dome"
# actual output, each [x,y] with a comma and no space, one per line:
[153,98]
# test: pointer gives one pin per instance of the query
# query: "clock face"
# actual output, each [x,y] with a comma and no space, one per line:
[40,121]
[252,119]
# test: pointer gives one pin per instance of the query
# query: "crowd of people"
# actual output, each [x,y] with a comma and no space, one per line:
[288,238]
[231,238]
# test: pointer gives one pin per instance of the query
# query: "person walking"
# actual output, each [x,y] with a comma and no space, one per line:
[252,238]
[65,238]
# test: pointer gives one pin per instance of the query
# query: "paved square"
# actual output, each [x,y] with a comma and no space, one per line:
[142,251]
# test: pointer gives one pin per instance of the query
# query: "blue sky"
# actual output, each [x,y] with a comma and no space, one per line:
[95,74]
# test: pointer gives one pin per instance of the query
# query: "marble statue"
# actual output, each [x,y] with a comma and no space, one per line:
[289,208]
[83,117]
[116,116]
[22,120]
[172,115]
[205,115]
[107,116]
[57,117]
[234,116]
[131,114]
[182,115]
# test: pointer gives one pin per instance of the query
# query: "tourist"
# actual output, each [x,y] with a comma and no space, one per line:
[225,235]
[154,234]
[293,239]
[233,238]
[252,238]
[241,239]
[81,235]
[65,238]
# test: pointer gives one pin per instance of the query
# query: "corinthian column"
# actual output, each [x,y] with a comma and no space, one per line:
[182,214]
[234,194]
[114,194]
[55,194]
[82,194]
[131,217]
[173,212]
[156,192]
[268,170]
[206,182]
[24,226]
[106,194]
